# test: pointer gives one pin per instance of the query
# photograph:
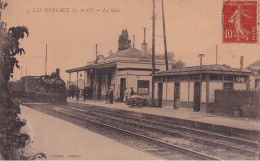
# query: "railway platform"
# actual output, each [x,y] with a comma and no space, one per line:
[242,126]
[62,140]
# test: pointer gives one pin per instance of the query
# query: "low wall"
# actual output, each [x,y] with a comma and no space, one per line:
[185,104]
[240,103]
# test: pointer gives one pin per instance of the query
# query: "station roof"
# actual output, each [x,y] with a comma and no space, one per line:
[135,53]
[215,69]
[254,65]
[129,53]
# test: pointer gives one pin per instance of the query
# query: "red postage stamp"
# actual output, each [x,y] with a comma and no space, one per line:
[240,22]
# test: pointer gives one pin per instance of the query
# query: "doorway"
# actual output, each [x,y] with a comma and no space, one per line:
[91,87]
[197,96]
[160,94]
[122,88]
[177,92]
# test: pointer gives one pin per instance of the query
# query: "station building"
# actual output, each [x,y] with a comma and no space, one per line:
[185,87]
[123,69]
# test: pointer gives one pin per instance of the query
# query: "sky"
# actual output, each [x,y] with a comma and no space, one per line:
[192,27]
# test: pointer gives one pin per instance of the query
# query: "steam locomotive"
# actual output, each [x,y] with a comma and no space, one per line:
[45,88]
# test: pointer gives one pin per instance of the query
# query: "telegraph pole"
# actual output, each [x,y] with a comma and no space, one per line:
[96,51]
[153,52]
[216,54]
[164,37]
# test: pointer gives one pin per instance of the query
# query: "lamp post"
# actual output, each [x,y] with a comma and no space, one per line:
[200,56]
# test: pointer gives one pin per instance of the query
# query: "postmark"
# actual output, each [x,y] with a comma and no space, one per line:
[240,21]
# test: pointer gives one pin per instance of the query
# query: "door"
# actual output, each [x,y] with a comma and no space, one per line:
[122,88]
[91,87]
[160,94]
[100,83]
[176,94]
[197,97]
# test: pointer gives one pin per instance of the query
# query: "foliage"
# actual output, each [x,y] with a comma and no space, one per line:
[11,140]
[178,64]
[123,41]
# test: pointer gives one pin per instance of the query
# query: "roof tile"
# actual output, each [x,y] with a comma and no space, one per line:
[215,67]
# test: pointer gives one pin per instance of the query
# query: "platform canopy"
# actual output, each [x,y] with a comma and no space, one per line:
[214,69]
[92,66]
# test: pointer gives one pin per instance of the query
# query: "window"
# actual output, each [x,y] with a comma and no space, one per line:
[228,86]
[184,78]
[171,78]
[165,79]
[192,77]
[228,77]
[215,77]
[178,78]
[143,87]
[197,77]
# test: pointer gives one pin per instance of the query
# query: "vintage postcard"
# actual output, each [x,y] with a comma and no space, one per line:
[129,80]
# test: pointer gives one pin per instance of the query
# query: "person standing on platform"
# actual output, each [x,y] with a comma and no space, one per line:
[72,93]
[111,95]
[107,96]
[132,92]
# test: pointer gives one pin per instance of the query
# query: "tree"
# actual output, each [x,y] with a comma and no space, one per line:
[11,139]
[123,41]
[178,64]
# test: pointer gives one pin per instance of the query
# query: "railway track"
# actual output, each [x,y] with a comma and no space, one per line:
[159,138]
[240,142]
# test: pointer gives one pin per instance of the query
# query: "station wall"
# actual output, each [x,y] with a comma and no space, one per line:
[252,82]
[239,86]
[184,91]
[203,92]
[212,87]
[168,91]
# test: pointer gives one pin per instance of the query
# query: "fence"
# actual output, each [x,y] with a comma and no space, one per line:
[241,103]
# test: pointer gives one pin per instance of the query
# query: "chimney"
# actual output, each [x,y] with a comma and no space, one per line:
[144,46]
[241,62]
[57,72]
